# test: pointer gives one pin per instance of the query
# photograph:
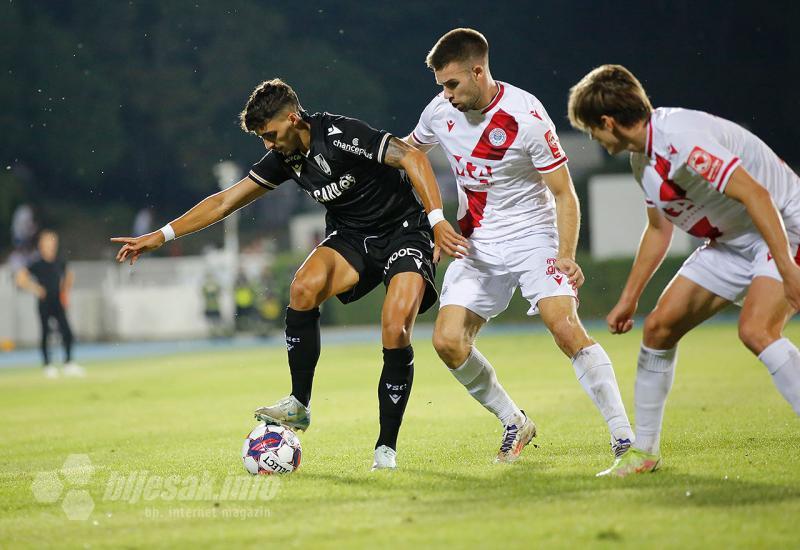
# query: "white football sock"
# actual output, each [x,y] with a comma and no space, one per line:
[595,373]
[478,376]
[782,359]
[654,375]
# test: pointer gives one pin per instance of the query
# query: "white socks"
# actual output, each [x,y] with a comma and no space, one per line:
[478,376]
[782,359]
[654,375]
[595,373]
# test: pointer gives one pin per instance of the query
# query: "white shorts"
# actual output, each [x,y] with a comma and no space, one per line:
[728,270]
[484,282]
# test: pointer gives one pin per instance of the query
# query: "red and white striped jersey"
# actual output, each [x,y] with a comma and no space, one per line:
[689,158]
[498,155]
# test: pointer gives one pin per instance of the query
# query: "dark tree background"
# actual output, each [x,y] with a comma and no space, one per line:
[108,107]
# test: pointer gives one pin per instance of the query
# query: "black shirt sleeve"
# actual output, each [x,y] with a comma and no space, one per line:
[358,138]
[269,172]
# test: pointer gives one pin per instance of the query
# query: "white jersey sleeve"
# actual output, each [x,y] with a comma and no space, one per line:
[541,142]
[423,133]
[702,155]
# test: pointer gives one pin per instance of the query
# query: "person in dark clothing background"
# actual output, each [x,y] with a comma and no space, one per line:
[48,278]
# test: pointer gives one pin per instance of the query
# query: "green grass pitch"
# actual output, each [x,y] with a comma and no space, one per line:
[730,477]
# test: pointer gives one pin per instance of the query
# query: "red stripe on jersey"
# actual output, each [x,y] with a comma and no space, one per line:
[649,146]
[497,137]
[551,166]
[414,136]
[725,172]
[496,99]
[704,229]
[476,202]
[662,167]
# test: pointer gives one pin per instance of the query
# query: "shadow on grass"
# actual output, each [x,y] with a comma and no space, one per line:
[528,482]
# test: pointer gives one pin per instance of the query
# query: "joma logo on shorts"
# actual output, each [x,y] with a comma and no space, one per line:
[402,253]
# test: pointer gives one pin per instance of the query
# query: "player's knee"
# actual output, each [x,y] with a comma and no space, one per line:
[396,334]
[451,346]
[659,333]
[569,335]
[756,336]
[305,291]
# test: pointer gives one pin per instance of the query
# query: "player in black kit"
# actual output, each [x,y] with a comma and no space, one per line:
[377,231]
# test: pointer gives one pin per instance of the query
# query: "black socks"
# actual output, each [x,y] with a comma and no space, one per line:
[302,344]
[393,391]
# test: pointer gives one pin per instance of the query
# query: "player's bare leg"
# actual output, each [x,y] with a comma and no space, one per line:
[682,306]
[766,311]
[453,338]
[325,273]
[592,366]
[403,298]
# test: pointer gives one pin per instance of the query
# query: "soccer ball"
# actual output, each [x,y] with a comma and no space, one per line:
[271,449]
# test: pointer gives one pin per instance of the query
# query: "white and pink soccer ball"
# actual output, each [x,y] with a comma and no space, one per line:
[271,449]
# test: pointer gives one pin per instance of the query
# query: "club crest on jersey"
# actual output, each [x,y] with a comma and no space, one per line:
[323,164]
[552,142]
[705,165]
[497,137]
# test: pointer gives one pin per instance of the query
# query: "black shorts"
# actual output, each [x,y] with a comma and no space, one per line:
[378,258]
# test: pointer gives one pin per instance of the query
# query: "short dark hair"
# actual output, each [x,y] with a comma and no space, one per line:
[267,100]
[458,45]
[609,90]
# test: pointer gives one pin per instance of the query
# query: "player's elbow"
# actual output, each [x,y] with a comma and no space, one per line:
[756,195]
[413,159]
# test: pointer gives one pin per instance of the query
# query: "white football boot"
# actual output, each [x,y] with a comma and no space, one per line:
[287,412]
[518,433]
[385,459]
[74,370]
[50,372]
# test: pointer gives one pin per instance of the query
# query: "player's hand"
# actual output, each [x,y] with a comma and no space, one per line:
[620,319]
[572,270]
[791,286]
[133,247]
[41,293]
[445,238]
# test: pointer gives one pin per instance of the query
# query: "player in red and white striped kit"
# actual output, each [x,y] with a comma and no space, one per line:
[715,180]
[518,207]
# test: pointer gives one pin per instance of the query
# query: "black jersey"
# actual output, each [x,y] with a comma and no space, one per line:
[49,275]
[344,171]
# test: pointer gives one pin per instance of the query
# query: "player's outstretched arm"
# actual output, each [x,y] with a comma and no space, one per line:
[568,216]
[758,202]
[207,212]
[653,247]
[403,156]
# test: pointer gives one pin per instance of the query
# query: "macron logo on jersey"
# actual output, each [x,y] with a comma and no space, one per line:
[333,130]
